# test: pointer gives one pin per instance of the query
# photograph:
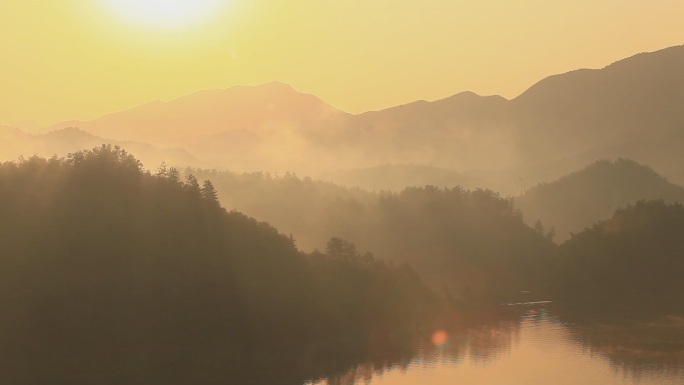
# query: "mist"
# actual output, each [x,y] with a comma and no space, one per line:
[257,234]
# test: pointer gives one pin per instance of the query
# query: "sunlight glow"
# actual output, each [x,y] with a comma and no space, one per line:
[166,13]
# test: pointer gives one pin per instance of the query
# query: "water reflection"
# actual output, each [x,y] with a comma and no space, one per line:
[538,345]
[640,349]
[477,339]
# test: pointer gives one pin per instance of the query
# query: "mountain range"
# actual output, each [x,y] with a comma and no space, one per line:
[631,108]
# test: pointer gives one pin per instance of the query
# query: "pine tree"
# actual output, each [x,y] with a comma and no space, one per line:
[174,175]
[209,193]
[192,183]
[341,249]
[162,170]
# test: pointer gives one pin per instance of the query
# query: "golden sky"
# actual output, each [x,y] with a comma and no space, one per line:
[79,59]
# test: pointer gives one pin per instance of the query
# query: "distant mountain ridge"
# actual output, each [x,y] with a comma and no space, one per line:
[15,143]
[625,104]
[242,127]
[210,112]
[631,108]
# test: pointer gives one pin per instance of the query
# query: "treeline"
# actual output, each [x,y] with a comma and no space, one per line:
[631,262]
[111,274]
[471,243]
[312,211]
[474,243]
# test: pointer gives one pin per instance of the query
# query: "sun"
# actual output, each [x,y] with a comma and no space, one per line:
[165,13]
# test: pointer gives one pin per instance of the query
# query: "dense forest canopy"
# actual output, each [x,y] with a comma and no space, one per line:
[474,243]
[98,253]
[633,261]
[469,241]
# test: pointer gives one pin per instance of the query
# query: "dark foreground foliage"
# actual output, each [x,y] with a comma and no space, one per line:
[112,275]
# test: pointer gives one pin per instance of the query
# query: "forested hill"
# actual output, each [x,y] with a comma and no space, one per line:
[633,262]
[580,199]
[471,241]
[111,275]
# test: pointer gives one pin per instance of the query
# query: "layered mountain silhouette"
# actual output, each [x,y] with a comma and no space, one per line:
[14,143]
[580,199]
[631,108]
[211,112]
[244,128]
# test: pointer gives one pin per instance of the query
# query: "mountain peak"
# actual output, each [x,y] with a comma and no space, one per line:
[576,200]
[470,97]
[464,95]
[212,112]
[276,85]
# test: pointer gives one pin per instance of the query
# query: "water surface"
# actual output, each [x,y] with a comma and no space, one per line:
[541,348]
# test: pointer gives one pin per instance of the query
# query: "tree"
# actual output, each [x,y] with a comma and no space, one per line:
[192,183]
[209,193]
[340,249]
[162,170]
[174,175]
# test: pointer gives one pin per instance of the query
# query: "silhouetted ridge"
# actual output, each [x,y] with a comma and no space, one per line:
[190,118]
[70,133]
[628,95]
[630,109]
[469,96]
[665,55]
[578,200]
[453,105]
[276,85]
[643,68]
[266,91]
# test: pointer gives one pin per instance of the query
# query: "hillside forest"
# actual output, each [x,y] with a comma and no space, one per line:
[99,251]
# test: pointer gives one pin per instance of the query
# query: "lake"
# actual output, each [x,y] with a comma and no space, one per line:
[539,347]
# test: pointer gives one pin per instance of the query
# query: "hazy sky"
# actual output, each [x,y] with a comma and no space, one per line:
[78,59]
